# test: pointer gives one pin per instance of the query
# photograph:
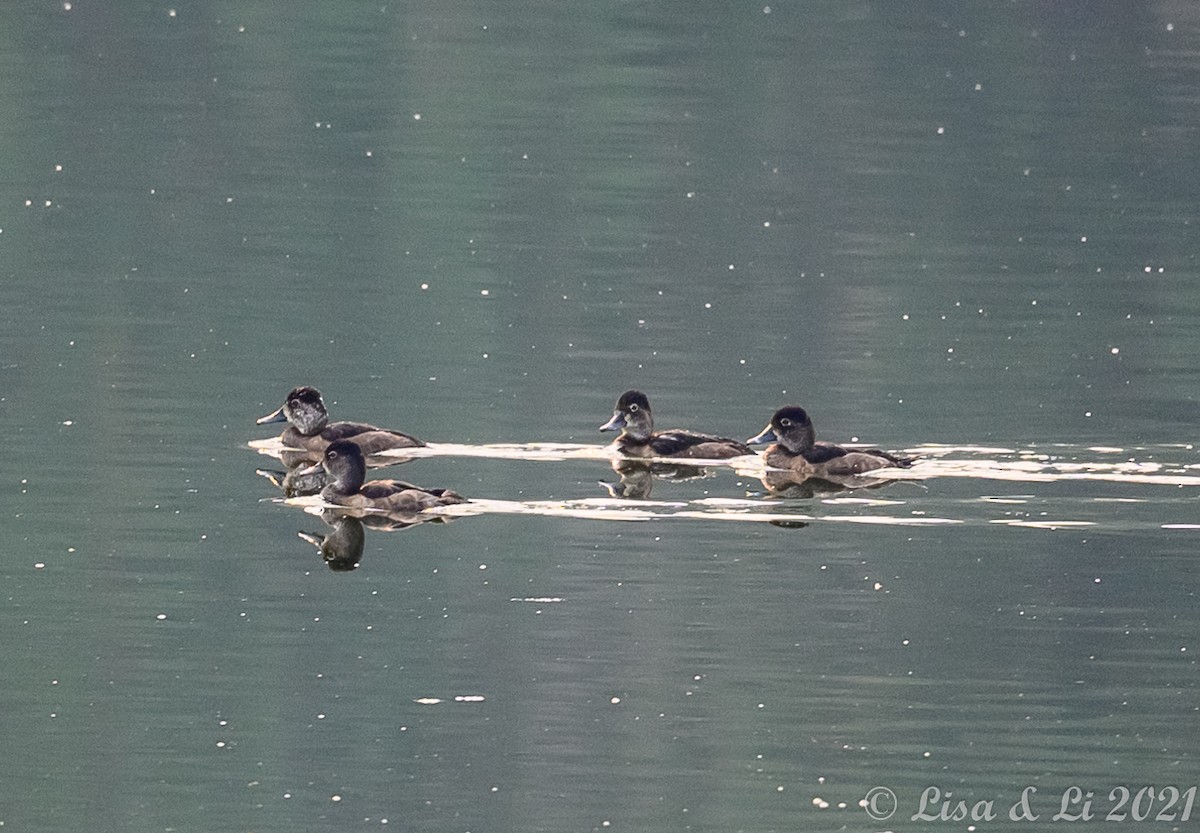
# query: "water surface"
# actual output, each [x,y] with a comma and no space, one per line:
[965,231]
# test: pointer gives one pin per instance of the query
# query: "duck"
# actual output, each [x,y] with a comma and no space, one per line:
[638,438]
[795,449]
[309,428]
[346,470]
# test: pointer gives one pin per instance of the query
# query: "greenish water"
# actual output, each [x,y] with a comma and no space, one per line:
[967,230]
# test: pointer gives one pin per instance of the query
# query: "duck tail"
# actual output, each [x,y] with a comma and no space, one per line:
[449,496]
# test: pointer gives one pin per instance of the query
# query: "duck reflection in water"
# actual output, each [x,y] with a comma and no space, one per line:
[310,431]
[346,471]
[342,546]
[294,484]
[805,467]
[638,476]
[792,485]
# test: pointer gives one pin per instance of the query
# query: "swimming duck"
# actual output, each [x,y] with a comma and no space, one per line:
[795,449]
[311,430]
[638,438]
[346,469]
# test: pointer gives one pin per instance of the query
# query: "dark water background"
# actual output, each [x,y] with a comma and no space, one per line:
[972,224]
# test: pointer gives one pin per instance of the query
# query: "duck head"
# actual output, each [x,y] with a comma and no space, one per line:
[304,409]
[791,428]
[632,413]
[344,465]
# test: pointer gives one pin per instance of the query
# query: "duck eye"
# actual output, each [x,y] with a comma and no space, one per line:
[633,409]
[332,455]
[785,422]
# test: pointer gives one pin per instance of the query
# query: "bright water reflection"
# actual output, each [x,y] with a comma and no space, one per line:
[1059,464]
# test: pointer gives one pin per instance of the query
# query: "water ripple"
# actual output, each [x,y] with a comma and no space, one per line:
[1140,466]
[1032,464]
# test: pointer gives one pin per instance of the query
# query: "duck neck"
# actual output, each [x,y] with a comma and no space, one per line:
[638,427]
[309,422]
[799,440]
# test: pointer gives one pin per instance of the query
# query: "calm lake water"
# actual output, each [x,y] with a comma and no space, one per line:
[966,230]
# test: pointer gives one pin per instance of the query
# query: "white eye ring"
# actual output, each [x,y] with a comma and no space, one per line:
[633,409]
[785,422]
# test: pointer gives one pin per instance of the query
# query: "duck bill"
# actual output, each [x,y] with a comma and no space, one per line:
[767,436]
[616,423]
[276,477]
[312,538]
[275,417]
[313,469]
